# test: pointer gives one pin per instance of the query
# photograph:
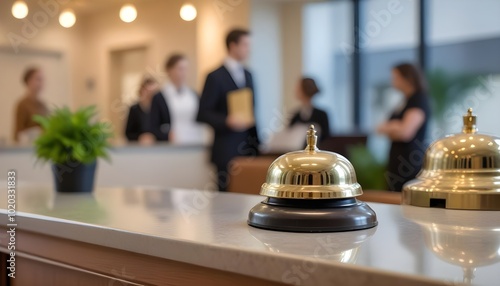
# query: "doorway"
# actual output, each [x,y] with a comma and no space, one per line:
[127,71]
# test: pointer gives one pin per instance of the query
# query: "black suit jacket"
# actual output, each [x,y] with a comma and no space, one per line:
[319,118]
[213,110]
[160,117]
[138,122]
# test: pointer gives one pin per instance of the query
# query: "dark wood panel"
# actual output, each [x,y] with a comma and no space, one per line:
[125,265]
[35,273]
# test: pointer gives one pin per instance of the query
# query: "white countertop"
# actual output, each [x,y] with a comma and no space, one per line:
[410,246]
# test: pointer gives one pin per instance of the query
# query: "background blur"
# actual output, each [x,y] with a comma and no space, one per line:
[348,46]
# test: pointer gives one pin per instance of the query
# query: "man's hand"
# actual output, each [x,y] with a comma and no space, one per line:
[238,123]
[147,139]
[171,136]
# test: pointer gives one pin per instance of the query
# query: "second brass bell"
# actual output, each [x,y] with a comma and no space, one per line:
[461,171]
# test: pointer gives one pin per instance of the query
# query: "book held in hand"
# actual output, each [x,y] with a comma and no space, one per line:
[240,104]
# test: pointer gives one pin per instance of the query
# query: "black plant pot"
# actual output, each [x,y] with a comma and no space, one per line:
[74,177]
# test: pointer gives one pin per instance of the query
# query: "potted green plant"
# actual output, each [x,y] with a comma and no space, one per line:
[72,142]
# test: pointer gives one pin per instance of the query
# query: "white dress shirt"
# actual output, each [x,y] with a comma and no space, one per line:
[236,70]
[305,112]
[183,108]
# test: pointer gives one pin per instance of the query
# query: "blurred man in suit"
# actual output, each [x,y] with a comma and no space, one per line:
[233,135]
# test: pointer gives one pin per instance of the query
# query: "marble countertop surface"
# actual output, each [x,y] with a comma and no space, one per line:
[410,246]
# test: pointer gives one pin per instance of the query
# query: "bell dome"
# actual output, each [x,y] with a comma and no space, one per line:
[311,191]
[311,174]
[460,171]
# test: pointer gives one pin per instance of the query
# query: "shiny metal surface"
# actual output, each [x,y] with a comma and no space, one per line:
[345,248]
[468,244]
[311,174]
[461,171]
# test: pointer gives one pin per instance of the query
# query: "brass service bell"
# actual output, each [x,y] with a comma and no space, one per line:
[460,171]
[311,191]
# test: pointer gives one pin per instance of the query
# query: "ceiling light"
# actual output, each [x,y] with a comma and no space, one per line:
[128,13]
[188,12]
[67,18]
[19,9]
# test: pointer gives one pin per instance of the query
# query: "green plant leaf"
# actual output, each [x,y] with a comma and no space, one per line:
[446,88]
[72,136]
[369,172]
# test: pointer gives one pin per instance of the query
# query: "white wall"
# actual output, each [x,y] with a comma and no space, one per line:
[266,62]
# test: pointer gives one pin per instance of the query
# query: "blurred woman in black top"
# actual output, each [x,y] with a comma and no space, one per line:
[407,127]
[138,122]
[308,114]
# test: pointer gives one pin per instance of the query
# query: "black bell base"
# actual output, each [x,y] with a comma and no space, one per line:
[329,215]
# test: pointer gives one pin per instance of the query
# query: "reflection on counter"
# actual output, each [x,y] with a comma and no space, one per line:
[84,204]
[468,244]
[341,246]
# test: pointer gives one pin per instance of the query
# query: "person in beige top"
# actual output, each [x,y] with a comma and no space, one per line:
[30,104]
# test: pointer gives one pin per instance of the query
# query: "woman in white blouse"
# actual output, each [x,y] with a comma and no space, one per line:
[174,108]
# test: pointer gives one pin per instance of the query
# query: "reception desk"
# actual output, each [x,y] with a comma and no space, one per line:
[146,236]
[131,165]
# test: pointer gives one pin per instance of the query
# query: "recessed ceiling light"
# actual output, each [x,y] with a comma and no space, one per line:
[128,13]
[67,18]
[188,12]
[19,9]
